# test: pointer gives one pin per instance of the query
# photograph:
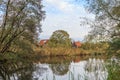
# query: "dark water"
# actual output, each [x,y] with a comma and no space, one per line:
[70,68]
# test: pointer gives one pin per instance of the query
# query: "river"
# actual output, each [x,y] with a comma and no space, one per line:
[71,68]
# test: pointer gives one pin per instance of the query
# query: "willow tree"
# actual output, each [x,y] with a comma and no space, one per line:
[20,21]
[106,26]
[107,17]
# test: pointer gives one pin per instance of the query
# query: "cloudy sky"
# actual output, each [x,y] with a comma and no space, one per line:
[65,15]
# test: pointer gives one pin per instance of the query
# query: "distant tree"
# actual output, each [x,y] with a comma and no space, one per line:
[60,38]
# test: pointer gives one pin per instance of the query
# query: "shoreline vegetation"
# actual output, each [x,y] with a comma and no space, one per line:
[67,52]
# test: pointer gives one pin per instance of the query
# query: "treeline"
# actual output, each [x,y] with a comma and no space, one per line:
[60,44]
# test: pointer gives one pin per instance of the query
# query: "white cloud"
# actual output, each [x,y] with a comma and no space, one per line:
[62,5]
[68,21]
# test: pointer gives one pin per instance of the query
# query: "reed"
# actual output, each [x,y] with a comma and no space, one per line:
[60,51]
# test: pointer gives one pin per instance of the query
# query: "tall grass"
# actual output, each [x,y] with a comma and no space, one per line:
[66,51]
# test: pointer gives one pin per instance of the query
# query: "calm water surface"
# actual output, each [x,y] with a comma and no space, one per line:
[91,69]
[67,68]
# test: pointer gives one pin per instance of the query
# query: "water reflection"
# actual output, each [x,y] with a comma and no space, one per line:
[91,69]
[65,69]
[13,72]
[60,69]
[95,69]
[40,71]
[25,74]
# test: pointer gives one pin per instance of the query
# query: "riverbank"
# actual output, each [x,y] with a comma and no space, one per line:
[67,52]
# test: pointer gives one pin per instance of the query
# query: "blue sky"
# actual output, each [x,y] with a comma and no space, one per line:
[65,15]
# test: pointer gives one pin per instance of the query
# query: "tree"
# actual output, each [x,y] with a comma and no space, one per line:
[107,15]
[20,19]
[105,9]
[107,20]
[19,27]
[60,38]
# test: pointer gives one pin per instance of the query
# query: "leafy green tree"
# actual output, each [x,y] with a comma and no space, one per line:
[60,38]
[20,18]
[105,9]
[107,17]
[106,25]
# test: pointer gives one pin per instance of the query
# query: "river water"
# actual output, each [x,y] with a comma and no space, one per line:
[70,68]
[92,69]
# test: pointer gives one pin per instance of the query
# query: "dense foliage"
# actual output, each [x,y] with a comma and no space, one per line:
[106,26]
[99,46]
[60,38]
[20,21]
[19,27]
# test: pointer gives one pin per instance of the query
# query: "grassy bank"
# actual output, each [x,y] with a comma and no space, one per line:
[66,52]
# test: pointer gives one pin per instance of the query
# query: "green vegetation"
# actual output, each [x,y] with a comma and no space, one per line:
[60,44]
[59,51]
[103,46]
[113,70]
[19,27]
[106,26]
[60,38]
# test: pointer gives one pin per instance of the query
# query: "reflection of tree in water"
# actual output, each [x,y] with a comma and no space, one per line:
[26,73]
[16,72]
[95,70]
[40,69]
[60,68]
[4,72]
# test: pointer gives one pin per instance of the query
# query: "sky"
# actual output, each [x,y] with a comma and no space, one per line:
[65,15]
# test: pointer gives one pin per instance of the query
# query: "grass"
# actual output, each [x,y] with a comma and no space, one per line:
[66,51]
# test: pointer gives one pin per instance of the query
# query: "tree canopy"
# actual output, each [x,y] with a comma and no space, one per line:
[107,20]
[20,21]
[60,38]
[105,8]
